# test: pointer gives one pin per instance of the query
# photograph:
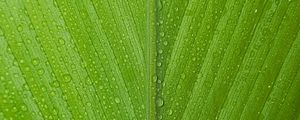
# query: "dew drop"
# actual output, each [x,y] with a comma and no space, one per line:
[23,108]
[170,112]
[194,59]
[20,28]
[21,61]
[67,78]
[208,26]
[41,71]
[89,104]
[165,42]
[182,76]
[35,61]
[159,102]
[55,84]
[154,78]
[160,51]
[162,34]
[61,41]
[159,64]
[117,100]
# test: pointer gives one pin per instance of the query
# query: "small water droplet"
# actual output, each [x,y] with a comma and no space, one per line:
[165,42]
[208,26]
[160,51]
[20,28]
[194,59]
[67,78]
[162,34]
[89,104]
[170,112]
[117,100]
[61,41]
[159,102]
[21,61]
[159,64]
[154,78]
[23,108]
[255,11]
[41,71]
[35,61]
[55,84]
[183,76]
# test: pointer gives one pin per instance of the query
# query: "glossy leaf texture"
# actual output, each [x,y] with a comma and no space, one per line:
[149,59]
[229,59]
[76,59]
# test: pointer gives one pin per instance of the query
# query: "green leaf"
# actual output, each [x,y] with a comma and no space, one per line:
[149,59]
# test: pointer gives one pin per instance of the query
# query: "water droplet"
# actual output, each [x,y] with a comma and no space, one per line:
[35,61]
[159,64]
[255,11]
[20,28]
[41,71]
[159,102]
[67,78]
[162,34]
[208,26]
[61,41]
[194,59]
[170,112]
[117,100]
[154,78]
[183,76]
[89,104]
[24,108]
[21,61]
[160,51]
[165,42]
[55,84]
